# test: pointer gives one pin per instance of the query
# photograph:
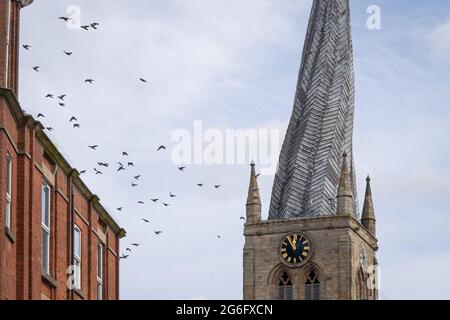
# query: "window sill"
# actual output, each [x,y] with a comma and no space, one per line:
[80,293]
[10,234]
[49,279]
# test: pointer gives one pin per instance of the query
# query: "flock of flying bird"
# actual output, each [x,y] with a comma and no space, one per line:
[121,165]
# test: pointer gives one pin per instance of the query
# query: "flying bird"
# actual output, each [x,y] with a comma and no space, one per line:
[242,218]
[128,249]
[143,80]
[141,202]
[219,237]
[97,171]
[66,19]
[158,233]
[121,168]
[120,209]
[76,125]
[146,221]
[94,147]
[134,184]
[73,119]
[200,184]
[40,115]
[26,46]
[36,68]
[155,200]
[137,177]
[172,195]
[125,154]
[130,164]
[162,148]
[181,168]
[94,25]
[49,96]
[49,129]
[82,171]
[62,104]
[61,97]
[217,186]
[124,257]
[166,204]
[91,81]
[135,244]
[85,27]
[67,53]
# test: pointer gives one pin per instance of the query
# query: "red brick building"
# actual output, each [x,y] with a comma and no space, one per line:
[56,239]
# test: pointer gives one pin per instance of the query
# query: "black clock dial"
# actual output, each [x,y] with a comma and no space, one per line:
[295,249]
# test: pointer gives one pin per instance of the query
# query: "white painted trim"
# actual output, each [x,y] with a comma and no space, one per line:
[8,31]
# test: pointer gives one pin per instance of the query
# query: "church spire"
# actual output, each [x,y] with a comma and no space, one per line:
[253,199]
[345,194]
[321,125]
[368,214]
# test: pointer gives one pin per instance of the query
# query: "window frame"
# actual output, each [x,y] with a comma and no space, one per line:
[9,182]
[45,227]
[77,257]
[100,269]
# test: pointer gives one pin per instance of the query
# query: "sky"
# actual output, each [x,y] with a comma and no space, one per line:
[234,65]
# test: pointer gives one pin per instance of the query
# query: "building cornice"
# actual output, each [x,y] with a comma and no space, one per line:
[50,148]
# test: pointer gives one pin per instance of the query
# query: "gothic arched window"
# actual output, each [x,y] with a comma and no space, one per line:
[312,287]
[285,287]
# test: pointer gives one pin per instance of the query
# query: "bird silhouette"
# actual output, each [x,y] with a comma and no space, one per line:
[26,46]
[62,104]
[217,186]
[61,97]
[172,195]
[82,171]
[67,53]
[128,249]
[97,171]
[94,147]
[120,209]
[146,221]
[49,96]
[143,80]
[86,27]
[158,233]
[200,184]
[134,184]
[137,177]
[242,218]
[91,81]
[130,164]
[162,148]
[141,202]
[73,119]
[66,19]
[76,125]
[94,25]
[36,68]
[40,115]
[124,257]
[50,129]
[135,244]
[155,200]
[125,154]
[166,204]
[181,168]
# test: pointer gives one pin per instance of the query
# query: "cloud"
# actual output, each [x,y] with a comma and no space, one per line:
[439,40]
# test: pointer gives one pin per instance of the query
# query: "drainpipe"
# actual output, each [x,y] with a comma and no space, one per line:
[72,235]
[8,31]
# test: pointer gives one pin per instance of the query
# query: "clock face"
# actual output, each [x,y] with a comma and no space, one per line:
[295,249]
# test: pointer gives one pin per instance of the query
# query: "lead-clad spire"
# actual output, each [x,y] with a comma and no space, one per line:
[321,126]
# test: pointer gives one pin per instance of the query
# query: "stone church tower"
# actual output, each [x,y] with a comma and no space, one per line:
[314,244]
